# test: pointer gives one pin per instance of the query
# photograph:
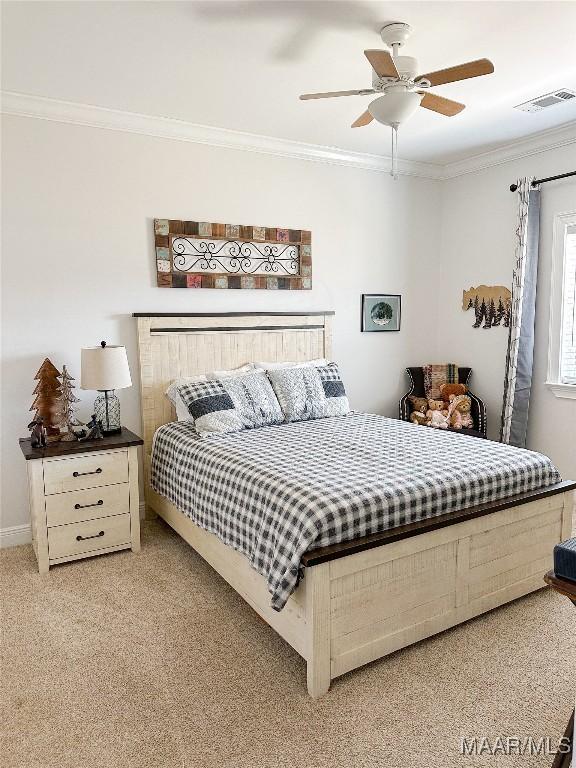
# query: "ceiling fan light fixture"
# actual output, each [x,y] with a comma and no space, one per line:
[395,107]
[396,78]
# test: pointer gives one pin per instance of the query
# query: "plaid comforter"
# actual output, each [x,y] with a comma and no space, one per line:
[273,493]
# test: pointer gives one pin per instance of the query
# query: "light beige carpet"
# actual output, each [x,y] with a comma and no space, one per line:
[153,660]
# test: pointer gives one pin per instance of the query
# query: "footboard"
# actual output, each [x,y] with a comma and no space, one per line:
[369,604]
[352,608]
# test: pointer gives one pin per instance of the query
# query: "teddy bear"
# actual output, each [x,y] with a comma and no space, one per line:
[419,408]
[437,415]
[446,390]
[459,412]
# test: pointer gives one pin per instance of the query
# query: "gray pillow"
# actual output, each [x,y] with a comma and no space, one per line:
[310,393]
[231,404]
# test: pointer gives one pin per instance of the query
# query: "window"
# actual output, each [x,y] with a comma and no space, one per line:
[568,339]
[562,346]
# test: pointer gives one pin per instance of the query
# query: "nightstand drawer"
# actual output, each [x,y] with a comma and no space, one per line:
[76,506]
[90,536]
[85,471]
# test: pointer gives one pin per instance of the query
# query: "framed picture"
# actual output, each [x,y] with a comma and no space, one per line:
[381,312]
[205,254]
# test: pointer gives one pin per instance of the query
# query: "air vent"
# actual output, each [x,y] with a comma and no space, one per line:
[548,100]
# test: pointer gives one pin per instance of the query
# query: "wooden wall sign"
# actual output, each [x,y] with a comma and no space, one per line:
[201,254]
[491,305]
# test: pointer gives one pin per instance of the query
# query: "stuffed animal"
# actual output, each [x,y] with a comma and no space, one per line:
[419,408]
[437,415]
[459,412]
[446,390]
[454,415]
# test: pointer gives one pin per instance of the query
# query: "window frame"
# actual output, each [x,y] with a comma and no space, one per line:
[561,222]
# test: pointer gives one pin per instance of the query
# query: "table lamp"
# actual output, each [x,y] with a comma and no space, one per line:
[105,368]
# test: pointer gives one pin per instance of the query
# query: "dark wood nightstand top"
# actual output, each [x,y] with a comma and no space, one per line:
[568,589]
[123,439]
[565,587]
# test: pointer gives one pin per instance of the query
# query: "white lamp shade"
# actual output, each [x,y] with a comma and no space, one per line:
[105,368]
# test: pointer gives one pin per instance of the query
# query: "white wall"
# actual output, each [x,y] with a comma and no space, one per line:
[78,257]
[477,246]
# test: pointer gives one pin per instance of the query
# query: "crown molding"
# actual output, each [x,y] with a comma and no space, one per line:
[39,107]
[544,141]
[73,113]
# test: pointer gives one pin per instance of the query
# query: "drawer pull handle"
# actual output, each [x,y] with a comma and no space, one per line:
[85,506]
[96,536]
[81,474]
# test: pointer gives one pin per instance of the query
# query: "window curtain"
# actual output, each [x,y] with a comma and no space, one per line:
[520,354]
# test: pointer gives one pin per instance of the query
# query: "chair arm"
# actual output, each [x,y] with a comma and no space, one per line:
[478,413]
[405,404]
[405,407]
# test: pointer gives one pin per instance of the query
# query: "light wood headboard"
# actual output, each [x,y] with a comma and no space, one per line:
[172,346]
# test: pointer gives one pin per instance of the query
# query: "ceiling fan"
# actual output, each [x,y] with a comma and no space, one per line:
[401,89]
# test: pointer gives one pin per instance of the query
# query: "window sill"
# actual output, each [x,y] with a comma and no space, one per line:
[562,390]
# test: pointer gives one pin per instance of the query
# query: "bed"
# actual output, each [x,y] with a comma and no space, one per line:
[342,601]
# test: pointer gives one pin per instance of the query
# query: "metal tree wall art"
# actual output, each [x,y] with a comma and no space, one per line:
[491,305]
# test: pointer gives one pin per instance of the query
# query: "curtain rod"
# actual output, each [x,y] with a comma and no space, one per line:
[536,182]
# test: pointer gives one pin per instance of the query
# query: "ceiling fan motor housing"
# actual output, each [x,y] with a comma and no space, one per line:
[407,67]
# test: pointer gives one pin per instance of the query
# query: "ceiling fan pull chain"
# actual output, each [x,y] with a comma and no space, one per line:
[394,169]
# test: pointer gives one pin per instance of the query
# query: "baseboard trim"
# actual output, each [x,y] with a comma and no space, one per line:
[15,535]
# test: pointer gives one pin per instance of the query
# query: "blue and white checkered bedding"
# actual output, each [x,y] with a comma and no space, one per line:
[275,492]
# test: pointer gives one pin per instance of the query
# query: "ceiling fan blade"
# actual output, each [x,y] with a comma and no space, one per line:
[440,104]
[382,63]
[332,94]
[364,119]
[460,72]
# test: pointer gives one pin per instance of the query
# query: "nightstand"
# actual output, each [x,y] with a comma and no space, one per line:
[565,760]
[84,498]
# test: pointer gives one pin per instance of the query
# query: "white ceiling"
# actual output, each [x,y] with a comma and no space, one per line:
[242,65]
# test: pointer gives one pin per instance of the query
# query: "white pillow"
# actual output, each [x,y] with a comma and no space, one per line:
[172,393]
[242,369]
[276,366]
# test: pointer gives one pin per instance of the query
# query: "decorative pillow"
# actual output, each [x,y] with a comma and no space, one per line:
[232,404]
[275,366]
[437,374]
[173,394]
[310,393]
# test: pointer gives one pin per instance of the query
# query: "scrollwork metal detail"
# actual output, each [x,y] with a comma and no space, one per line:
[235,257]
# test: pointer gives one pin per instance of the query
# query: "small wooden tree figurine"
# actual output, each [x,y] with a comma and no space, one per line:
[65,418]
[46,402]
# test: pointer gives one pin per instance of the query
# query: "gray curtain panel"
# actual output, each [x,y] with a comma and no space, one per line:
[519,358]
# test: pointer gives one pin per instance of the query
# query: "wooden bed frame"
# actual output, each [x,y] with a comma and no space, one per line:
[364,599]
